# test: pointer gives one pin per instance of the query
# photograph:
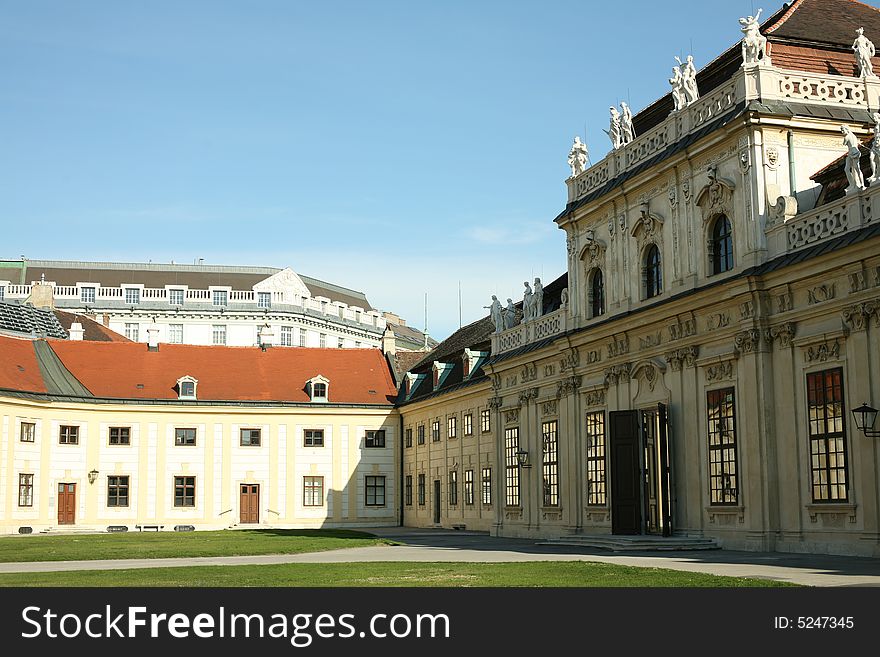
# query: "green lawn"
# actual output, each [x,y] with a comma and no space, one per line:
[179,544]
[529,574]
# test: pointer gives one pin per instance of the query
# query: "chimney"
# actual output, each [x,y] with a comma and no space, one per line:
[76,331]
[389,344]
[266,337]
[42,294]
[153,337]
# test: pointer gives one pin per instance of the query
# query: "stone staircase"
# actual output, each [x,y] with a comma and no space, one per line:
[617,543]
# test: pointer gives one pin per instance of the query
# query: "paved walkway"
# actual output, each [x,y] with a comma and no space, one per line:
[451,546]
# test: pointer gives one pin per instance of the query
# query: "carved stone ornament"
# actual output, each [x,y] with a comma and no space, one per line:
[549,407]
[569,360]
[858,316]
[771,157]
[719,371]
[717,320]
[785,209]
[822,352]
[745,161]
[618,346]
[682,328]
[616,373]
[526,395]
[672,194]
[716,196]
[648,372]
[686,356]
[529,372]
[568,386]
[495,403]
[595,397]
[820,293]
[747,342]
[780,335]
[593,253]
[648,227]
[511,415]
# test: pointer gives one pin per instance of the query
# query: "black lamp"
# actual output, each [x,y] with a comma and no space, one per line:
[865,416]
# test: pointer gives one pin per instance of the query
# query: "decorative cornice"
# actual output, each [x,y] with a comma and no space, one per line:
[568,386]
[569,360]
[858,315]
[616,373]
[747,342]
[822,352]
[527,395]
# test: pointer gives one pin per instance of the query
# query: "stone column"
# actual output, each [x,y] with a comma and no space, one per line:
[498,500]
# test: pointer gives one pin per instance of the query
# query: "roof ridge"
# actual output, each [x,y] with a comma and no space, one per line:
[792,8]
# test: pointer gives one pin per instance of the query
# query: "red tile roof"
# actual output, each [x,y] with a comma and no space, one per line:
[130,371]
[19,369]
[92,330]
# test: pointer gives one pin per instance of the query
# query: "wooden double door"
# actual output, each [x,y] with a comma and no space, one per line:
[250,503]
[641,483]
[66,504]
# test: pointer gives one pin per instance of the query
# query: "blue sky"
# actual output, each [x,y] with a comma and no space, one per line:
[397,148]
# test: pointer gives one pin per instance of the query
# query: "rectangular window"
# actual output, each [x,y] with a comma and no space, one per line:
[485,421]
[435,431]
[451,426]
[825,413]
[184,437]
[68,435]
[468,422]
[2,292]
[264,299]
[595,457]
[469,487]
[132,295]
[175,297]
[132,331]
[313,438]
[511,466]
[407,490]
[117,491]
[550,463]
[313,491]
[184,491]
[408,437]
[251,437]
[421,437]
[120,436]
[87,294]
[340,343]
[25,490]
[220,297]
[175,333]
[28,432]
[286,336]
[421,490]
[453,487]
[218,334]
[322,340]
[486,486]
[375,490]
[375,438]
[720,413]
[302,337]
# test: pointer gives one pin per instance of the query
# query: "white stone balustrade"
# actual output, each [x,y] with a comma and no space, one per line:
[546,326]
[825,222]
[758,82]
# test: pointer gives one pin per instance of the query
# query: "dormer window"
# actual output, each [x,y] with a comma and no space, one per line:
[318,389]
[441,370]
[186,387]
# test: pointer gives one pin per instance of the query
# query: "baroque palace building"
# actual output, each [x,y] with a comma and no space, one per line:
[207,304]
[695,371]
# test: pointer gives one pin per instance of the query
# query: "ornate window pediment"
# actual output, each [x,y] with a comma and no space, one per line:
[318,388]
[716,196]
[593,253]
[186,387]
[648,227]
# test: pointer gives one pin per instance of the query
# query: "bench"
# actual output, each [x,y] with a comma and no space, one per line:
[154,528]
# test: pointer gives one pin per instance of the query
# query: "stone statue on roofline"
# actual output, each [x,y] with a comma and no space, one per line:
[577,157]
[614,131]
[754,44]
[528,302]
[677,89]
[875,150]
[495,314]
[864,50]
[627,133]
[853,155]
[688,80]
[510,315]
[538,299]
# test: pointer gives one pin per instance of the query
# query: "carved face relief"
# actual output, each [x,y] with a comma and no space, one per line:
[686,189]
[745,161]
[673,195]
[771,153]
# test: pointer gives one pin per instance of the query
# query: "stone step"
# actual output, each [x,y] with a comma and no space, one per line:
[635,543]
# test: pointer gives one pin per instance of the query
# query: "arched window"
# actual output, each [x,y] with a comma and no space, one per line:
[653,272]
[597,294]
[722,246]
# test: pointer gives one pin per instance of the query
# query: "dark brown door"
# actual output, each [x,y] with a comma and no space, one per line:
[436,501]
[626,473]
[651,493]
[66,504]
[250,503]
[664,475]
